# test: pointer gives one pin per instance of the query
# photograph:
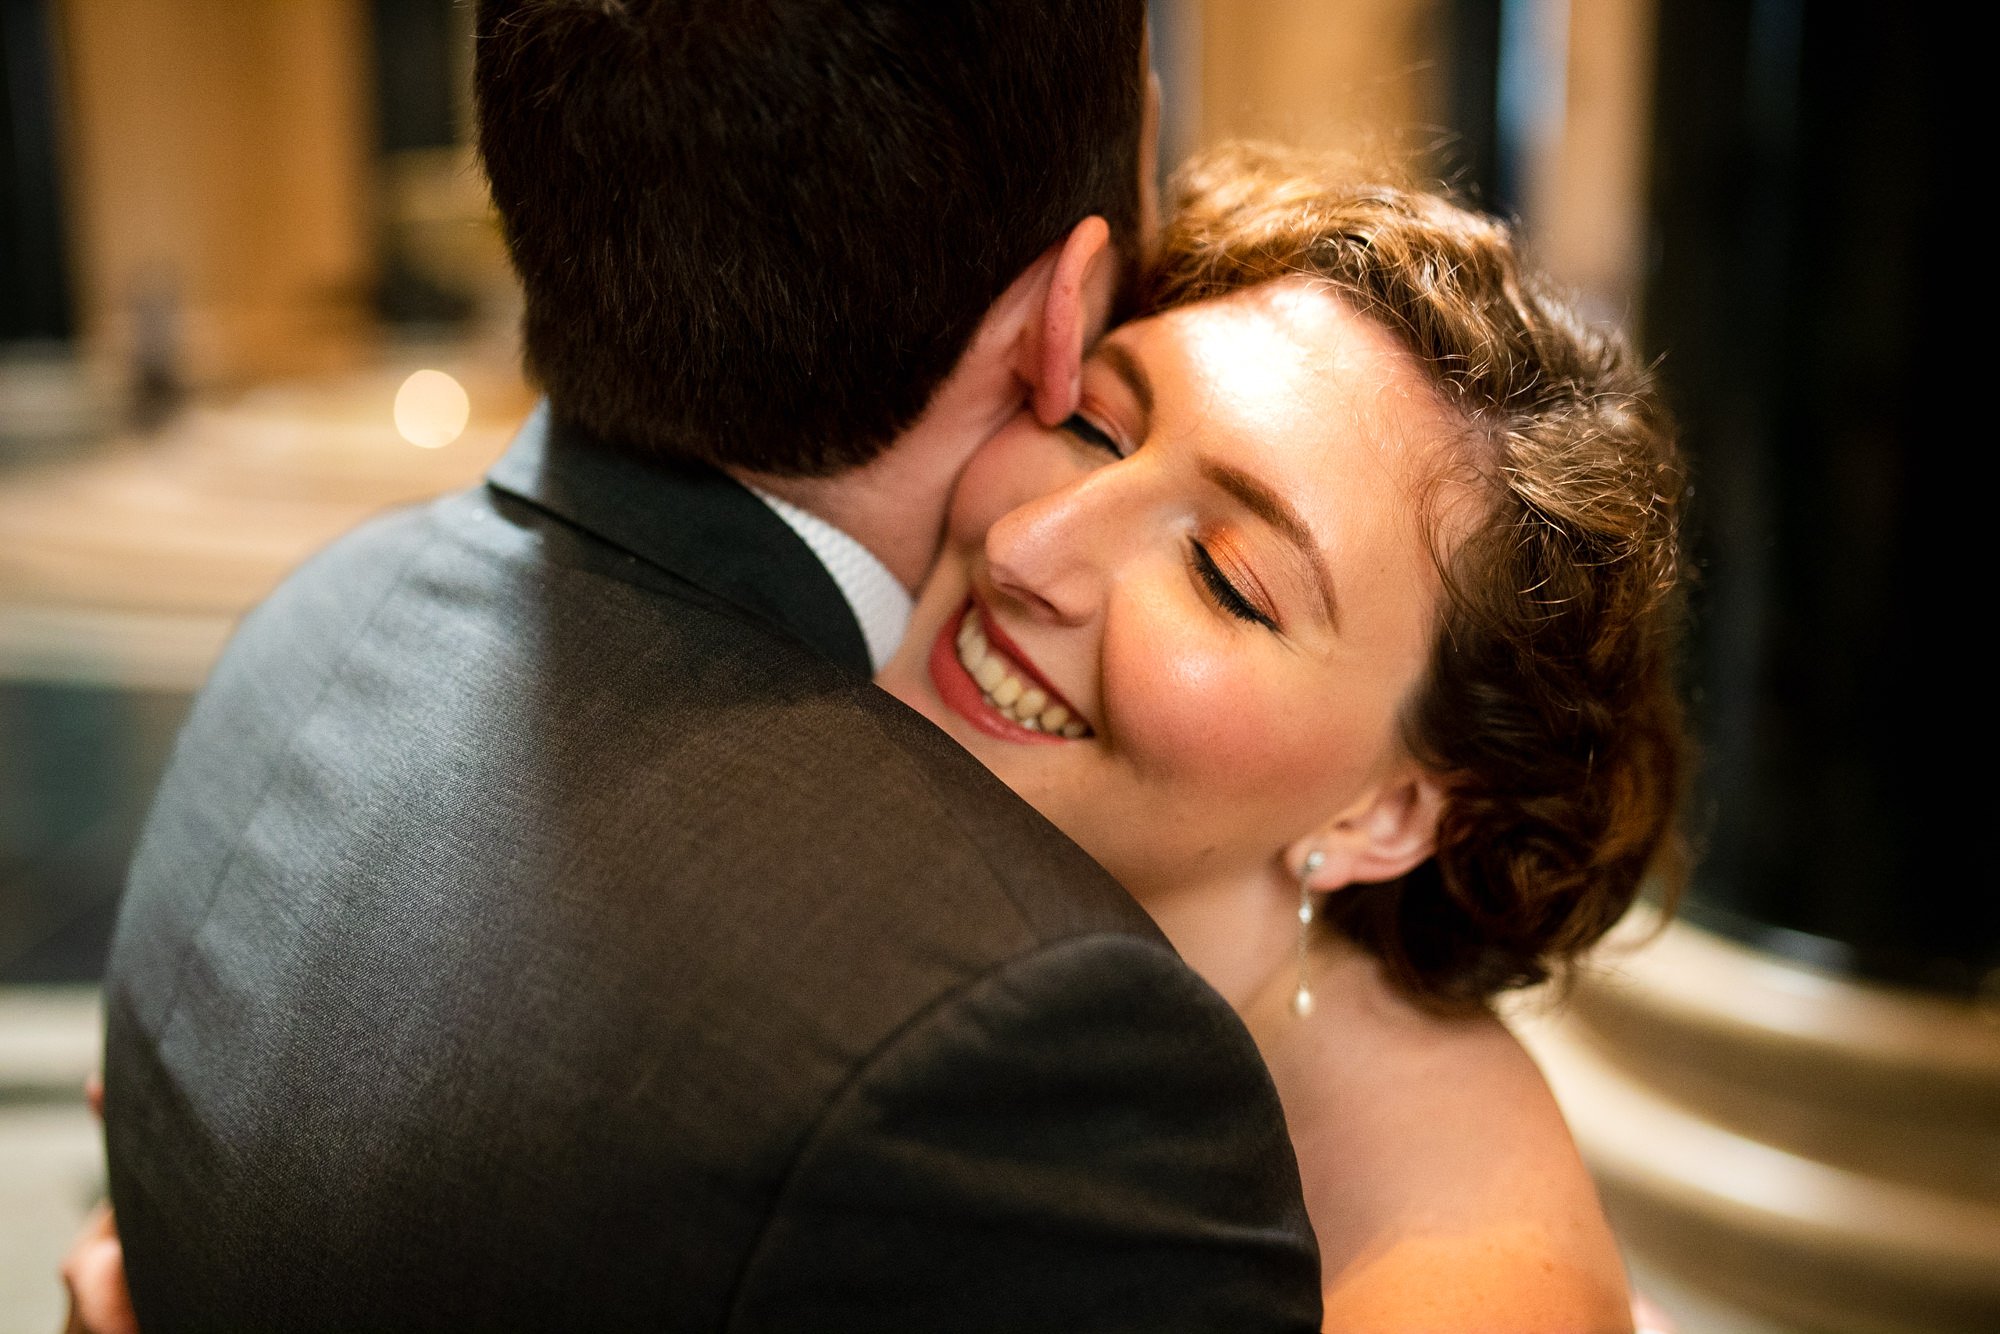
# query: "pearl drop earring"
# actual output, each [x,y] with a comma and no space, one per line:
[1302,999]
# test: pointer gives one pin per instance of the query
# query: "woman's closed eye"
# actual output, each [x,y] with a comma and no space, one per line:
[1090,433]
[1226,594]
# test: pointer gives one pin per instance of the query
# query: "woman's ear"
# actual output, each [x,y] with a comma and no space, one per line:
[1388,833]
[1076,305]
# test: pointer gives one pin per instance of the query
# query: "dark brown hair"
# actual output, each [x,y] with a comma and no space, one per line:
[1549,706]
[761,232]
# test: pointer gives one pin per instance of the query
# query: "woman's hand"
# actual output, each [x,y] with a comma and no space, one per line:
[94,1269]
[94,1273]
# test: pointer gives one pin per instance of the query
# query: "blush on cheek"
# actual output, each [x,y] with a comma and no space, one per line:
[1195,713]
[1214,728]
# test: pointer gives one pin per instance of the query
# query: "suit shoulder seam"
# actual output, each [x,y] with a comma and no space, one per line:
[333,675]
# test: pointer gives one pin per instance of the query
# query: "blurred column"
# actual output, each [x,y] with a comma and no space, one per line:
[1805,262]
[219,156]
[1792,1098]
[1356,77]
[1583,195]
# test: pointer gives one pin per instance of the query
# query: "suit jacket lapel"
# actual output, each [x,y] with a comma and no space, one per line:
[694,521]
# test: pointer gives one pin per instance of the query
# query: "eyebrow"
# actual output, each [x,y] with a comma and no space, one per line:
[1127,368]
[1269,506]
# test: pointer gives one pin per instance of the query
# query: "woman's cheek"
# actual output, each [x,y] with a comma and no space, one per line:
[1202,712]
[1246,724]
[976,503]
[1020,464]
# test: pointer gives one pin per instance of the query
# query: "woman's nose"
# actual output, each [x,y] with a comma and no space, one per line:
[1051,554]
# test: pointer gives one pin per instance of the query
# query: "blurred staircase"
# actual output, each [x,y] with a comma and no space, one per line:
[1814,1152]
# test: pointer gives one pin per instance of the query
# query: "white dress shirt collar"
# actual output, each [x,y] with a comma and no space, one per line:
[876,597]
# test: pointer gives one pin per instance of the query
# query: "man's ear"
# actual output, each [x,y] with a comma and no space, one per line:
[1075,308]
[1387,833]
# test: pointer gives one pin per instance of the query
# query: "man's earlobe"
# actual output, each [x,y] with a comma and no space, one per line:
[1073,315]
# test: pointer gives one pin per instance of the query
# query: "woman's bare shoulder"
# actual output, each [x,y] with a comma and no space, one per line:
[1442,1180]
[1499,1278]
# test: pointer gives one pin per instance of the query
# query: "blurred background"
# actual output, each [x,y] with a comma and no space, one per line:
[251,291]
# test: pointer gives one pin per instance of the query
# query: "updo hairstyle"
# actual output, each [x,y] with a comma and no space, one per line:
[1549,705]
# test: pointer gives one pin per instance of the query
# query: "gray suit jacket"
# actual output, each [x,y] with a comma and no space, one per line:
[545,924]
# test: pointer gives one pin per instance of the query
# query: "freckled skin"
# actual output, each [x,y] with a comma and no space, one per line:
[1444,1189]
[1217,742]
[1443,1184]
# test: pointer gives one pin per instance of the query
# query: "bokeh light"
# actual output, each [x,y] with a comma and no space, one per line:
[432,409]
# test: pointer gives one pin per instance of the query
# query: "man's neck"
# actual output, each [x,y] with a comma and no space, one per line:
[895,505]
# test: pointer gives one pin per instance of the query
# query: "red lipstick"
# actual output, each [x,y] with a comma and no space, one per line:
[963,696]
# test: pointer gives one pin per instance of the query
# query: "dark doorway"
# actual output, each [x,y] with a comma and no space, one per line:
[34,262]
[1800,267]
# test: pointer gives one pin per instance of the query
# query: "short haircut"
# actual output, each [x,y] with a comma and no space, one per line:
[1549,706]
[761,232]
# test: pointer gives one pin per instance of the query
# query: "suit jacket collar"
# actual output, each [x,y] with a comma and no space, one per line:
[694,521]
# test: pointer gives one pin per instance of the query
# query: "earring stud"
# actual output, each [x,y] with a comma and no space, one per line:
[1302,999]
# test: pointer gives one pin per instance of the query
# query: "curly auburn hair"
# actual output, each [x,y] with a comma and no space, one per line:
[1549,705]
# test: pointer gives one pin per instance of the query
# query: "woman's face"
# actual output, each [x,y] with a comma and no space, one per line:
[1183,625]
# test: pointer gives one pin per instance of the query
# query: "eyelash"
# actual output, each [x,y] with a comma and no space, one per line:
[1088,431]
[1224,592]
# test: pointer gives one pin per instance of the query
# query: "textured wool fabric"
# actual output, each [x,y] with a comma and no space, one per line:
[545,924]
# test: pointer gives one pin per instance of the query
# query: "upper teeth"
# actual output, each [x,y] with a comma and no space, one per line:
[1023,701]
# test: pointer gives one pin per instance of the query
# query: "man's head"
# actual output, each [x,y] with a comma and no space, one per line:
[761,232]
